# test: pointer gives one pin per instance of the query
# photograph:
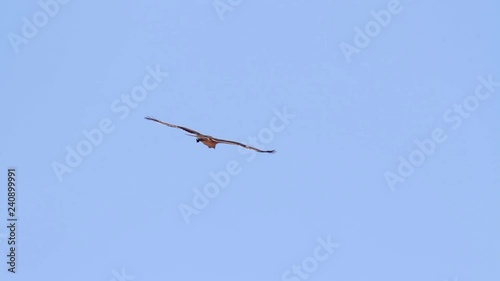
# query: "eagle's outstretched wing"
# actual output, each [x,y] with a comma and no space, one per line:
[243,145]
[173,126]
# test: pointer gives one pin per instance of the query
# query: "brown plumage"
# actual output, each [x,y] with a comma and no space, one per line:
[207,140]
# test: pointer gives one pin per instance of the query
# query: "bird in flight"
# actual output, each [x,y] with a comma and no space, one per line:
[207,140]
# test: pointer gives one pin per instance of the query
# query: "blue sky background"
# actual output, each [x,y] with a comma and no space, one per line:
[119,209]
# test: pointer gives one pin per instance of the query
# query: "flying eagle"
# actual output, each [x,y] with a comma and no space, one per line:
[207,140]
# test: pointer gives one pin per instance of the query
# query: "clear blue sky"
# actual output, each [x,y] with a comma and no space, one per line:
[387,141]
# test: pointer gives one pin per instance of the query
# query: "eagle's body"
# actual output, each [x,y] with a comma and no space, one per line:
[207,140]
